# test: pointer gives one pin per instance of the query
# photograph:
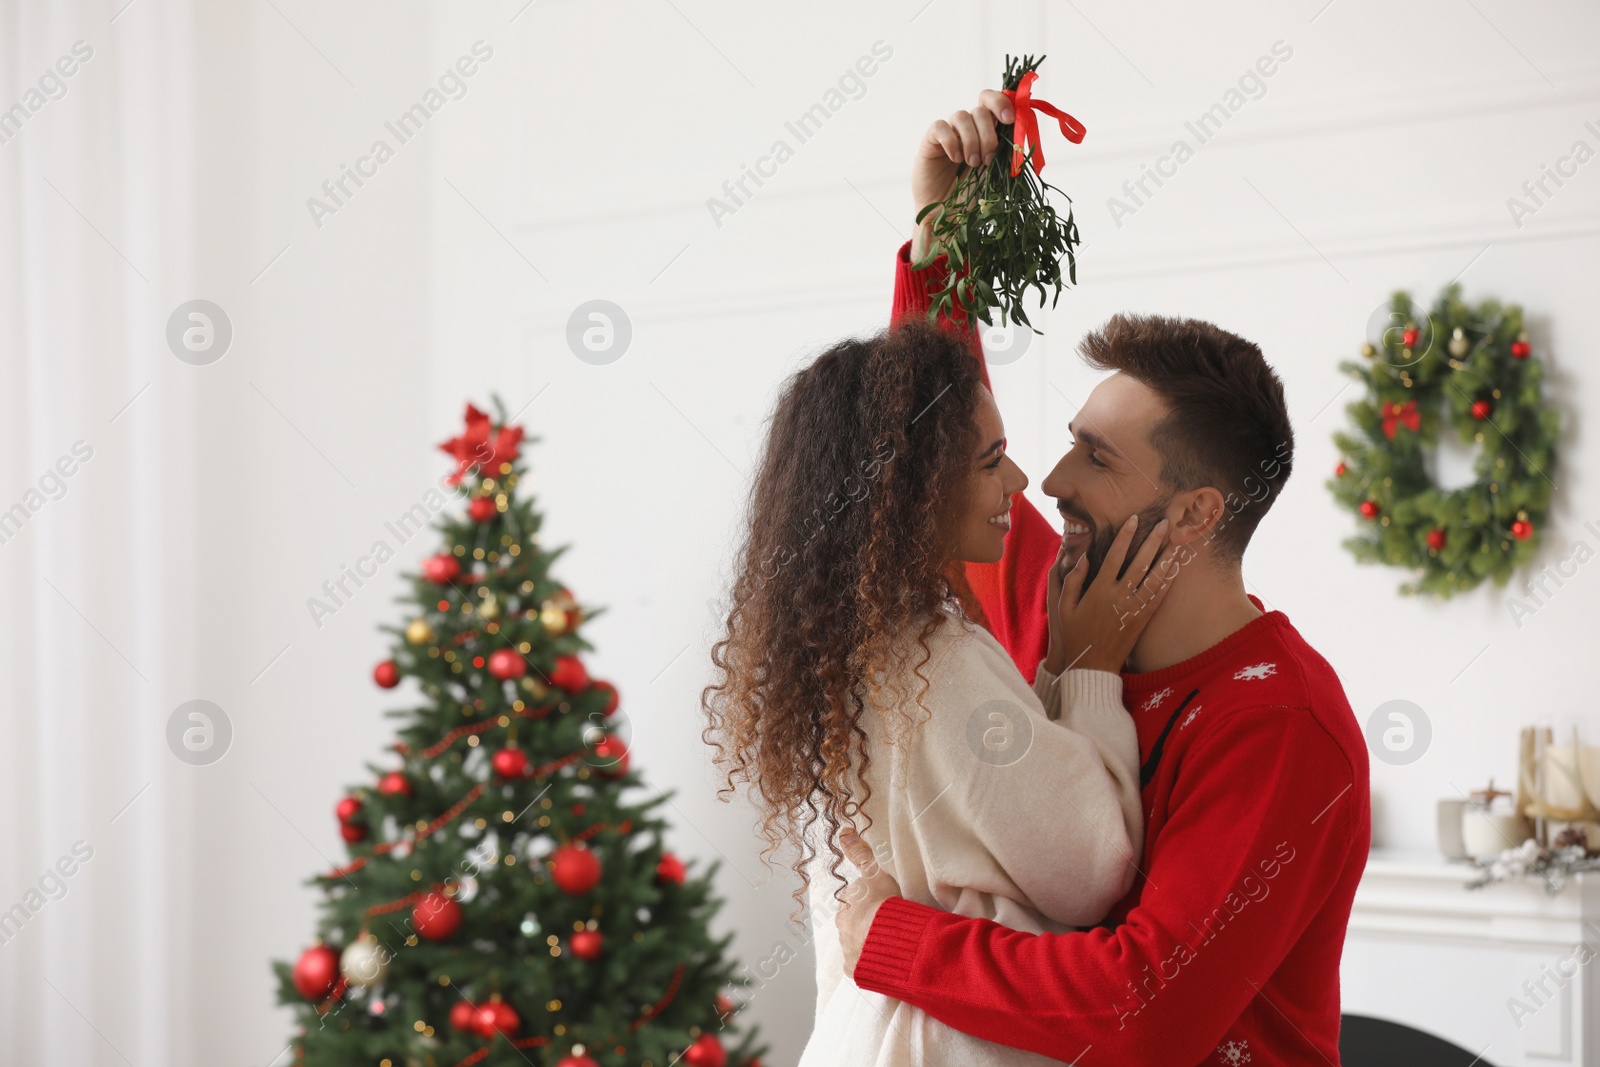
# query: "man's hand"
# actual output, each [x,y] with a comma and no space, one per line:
[965,137]
[861,897]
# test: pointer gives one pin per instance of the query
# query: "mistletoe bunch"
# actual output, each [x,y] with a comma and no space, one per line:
[998,222]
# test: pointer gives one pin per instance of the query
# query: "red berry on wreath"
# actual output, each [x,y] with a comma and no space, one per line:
[611,696]
[1409,336]
[1522,529]
[1481,409]
[481,509]
[1436,539]
[575,869]
[612,756]
[436,916]
[670,871]
[510,763]
[347,808]
[1521,349]
[316,971]
[1369,509]
[443,568]
[569,674]
[507,664]
[353,831]
[386,674]
[706,1051]
[586,944]
[464,1016]
[394,784]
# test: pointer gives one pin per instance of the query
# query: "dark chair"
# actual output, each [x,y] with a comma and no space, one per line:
[1366,1042]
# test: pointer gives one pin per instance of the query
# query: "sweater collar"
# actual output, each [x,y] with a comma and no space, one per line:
[1141,682]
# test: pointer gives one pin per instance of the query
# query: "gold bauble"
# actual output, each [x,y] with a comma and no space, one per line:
[1459,345]
[418,632]
[1369,351]
[490,608]
[554,619]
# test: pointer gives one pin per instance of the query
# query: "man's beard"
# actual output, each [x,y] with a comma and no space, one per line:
[1100,540]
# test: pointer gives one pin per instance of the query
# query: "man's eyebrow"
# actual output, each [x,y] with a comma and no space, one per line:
[1094,440]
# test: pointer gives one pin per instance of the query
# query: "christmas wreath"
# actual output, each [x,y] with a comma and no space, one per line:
[1473,370]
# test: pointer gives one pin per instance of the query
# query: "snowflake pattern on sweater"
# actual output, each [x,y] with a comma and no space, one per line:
[1234,1053]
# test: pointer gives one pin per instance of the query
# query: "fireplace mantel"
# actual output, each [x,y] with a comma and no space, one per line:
[1507,972]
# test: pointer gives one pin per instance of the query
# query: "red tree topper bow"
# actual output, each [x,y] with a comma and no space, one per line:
[1396,415]
[1026,130]
[478,447]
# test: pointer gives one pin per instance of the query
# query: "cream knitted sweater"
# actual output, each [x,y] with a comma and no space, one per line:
[1016,805]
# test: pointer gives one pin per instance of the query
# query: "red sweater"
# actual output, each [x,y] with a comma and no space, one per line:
[1226,950]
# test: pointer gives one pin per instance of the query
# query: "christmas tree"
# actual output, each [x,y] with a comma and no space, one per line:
[503,903]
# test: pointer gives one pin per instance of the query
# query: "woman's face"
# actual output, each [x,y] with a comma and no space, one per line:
[982,512]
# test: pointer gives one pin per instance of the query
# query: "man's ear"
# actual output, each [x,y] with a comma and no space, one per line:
[1194,515]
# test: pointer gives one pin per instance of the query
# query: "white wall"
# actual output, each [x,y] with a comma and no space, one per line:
[578,167]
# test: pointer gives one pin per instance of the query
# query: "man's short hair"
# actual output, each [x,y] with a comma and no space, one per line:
[1226,424]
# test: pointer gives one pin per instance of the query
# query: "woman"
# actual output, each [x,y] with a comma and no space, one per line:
[857,687]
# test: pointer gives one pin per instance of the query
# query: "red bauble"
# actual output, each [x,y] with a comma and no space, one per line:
[494,1016]
[386,674]
[1369,509]
[1521,350]
[576,1060]
[436,916]
[1436,539]
[670,871]
[1522,529]
[1338,472]
[575,869]
[612,756]
[725,1005]
[394,784]
[464,1016]
[1409,336]
[1481,409]
[481,509]
[706,1051]
[510,763]
[586,944]
[569,674]
[507,664]
[316,971]
[442,568]
[353,831]
[347,808]
[611,696]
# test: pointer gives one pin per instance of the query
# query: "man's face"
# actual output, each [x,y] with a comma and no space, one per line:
[1111,472]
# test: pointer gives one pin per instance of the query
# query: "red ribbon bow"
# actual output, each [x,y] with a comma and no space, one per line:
[1026,130]
[1396,415]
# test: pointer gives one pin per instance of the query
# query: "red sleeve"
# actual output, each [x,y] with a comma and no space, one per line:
[1262,820]
[1011,592]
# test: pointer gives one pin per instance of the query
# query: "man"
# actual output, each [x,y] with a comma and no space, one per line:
[1254,771]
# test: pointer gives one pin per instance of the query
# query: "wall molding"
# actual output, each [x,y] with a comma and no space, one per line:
[867,284]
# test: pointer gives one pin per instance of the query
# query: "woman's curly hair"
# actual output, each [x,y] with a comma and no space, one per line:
[869,448]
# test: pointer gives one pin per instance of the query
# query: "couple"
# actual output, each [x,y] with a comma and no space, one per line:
[1145,856]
